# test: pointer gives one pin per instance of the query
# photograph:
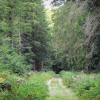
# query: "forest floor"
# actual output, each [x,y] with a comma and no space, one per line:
[57,90]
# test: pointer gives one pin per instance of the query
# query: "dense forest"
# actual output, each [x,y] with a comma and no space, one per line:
[24,35]
[46,43]
[76,42]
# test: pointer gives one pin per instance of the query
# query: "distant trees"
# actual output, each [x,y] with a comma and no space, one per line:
[92,32]
[69,37]
[76,24]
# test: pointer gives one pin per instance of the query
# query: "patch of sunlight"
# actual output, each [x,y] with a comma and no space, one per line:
[2,80]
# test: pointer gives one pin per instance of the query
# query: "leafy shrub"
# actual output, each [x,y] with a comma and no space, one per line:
[32,91]
[11,60]
[87,86]
[32,87]
[7,86]
[6,95]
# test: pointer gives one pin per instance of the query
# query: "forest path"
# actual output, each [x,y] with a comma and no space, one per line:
[57,90]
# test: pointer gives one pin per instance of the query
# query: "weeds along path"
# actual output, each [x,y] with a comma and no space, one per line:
[57,90]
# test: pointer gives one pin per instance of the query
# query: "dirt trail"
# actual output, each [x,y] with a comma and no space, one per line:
[58,91]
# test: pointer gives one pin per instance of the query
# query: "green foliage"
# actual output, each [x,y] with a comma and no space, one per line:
[86,86]
[11,60]
[34,90]
[57,98]
[67,78]
[68,37]
[24,32]
[89,89]
[31,86]
[92,41]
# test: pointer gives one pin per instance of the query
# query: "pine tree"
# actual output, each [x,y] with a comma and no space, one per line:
[24,30]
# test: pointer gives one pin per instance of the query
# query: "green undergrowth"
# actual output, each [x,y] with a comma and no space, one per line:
[86,86]
[31,86]
[57,98]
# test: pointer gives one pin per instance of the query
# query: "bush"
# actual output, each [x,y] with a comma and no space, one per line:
[87,87]
[32,91]
[11,60]
[6,95]
[32,87]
